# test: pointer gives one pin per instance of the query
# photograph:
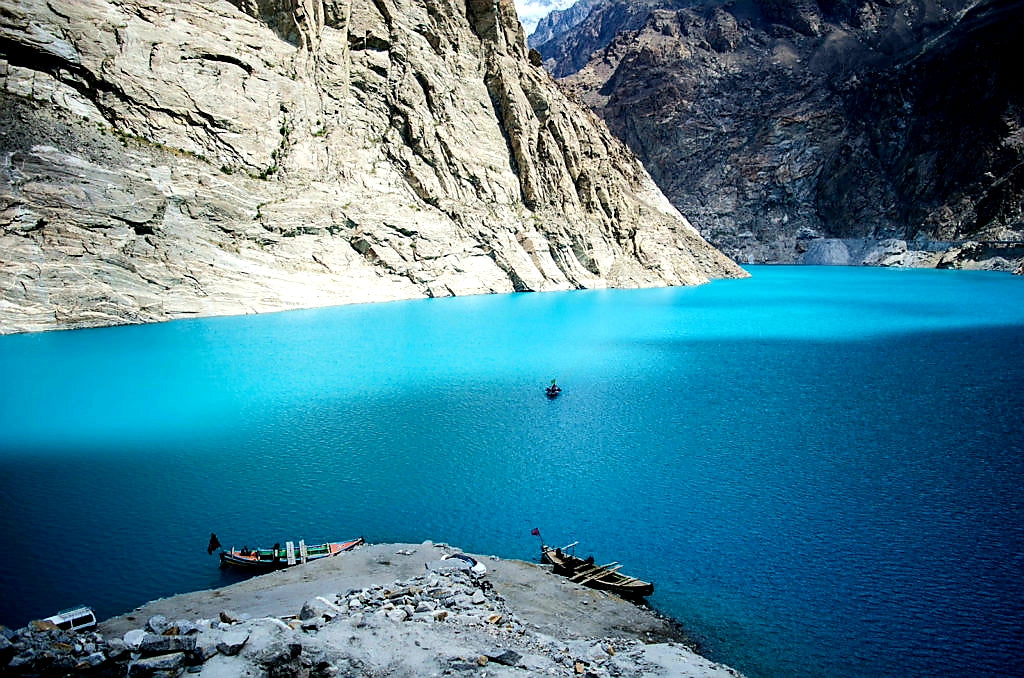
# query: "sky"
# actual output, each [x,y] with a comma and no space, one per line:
[532,11]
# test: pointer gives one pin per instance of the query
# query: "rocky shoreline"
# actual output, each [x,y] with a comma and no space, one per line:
[381,610]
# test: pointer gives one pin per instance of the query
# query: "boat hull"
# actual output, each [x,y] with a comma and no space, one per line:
[268,560]
[596,577]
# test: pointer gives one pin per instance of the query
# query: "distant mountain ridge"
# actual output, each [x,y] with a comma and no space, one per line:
[870,132]
[560,21]
[591,28]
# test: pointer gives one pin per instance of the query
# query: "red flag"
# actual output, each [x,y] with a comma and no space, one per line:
[214,544]
[536,532]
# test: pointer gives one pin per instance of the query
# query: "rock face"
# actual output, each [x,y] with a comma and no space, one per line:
[886,133]
[168,159]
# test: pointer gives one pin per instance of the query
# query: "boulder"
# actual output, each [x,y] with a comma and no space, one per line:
[206,647]
[93,660]
[147,666]
[133,639]
[154,644]
[6,646]
[42,626]
[398,614]
[505,657]
[231,642]
[311,624]
[312,609]
[116,648]
[229,617]
[183,627]
[157,624]
[277,653]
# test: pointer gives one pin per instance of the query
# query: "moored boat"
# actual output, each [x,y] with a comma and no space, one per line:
[278,557]
[601,577]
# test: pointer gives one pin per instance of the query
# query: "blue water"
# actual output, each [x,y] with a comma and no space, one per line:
[820,468]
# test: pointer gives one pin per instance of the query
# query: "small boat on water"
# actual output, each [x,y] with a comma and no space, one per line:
[601,577]
[277,557]
[553,390]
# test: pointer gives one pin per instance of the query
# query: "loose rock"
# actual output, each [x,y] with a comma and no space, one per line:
[231,643]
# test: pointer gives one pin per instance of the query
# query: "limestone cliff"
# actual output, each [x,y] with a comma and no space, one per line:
[162,159]
[848,131]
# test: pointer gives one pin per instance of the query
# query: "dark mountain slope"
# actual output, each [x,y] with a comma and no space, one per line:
[825,132]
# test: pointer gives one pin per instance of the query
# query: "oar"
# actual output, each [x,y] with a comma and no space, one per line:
[597,575]
[583,573]
[588,569]
[629,581]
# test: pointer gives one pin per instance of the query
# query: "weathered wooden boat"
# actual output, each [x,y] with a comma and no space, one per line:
[601,577]
[277,557]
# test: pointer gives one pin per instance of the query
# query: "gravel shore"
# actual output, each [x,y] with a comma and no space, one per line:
[380,610]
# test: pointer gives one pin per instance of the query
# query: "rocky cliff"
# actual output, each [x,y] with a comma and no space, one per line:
[843,132]
[162,159]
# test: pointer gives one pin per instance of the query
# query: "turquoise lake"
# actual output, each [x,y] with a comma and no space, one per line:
[821,469]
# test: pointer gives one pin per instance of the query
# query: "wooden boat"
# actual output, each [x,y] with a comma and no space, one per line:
[277,557]
[601,577]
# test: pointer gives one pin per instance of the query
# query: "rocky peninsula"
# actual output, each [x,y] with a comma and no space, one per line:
[380,610]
